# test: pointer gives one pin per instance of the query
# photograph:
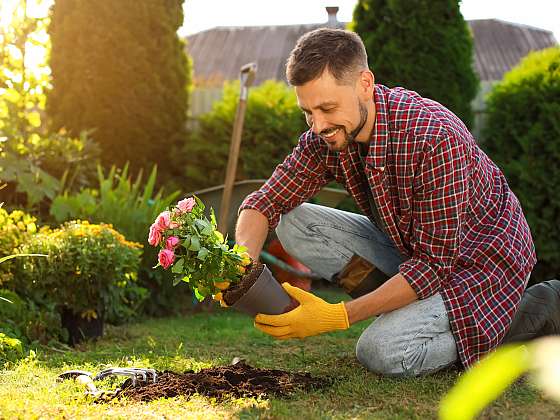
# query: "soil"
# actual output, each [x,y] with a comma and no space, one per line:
[235,291]
[238,380]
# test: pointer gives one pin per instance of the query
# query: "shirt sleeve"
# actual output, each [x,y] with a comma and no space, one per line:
[440,202]
[302,174]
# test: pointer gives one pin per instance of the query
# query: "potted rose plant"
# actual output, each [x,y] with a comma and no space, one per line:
[198,254]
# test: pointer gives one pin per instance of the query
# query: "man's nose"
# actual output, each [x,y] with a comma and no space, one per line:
[318,124]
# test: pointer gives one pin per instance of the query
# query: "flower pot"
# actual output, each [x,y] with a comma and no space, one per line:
[80,329]
[265,296]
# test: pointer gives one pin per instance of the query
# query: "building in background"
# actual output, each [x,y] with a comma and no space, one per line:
[219,53]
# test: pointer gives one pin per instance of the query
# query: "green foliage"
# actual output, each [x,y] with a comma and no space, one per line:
[24,78]
[38,167]
[119,68]
[422,45]
[11,349]
[522,135]
[130,206]
[91,269]
[15,229]
[273,123]
[497,371]
[32,161]
[27,321]
[201,255]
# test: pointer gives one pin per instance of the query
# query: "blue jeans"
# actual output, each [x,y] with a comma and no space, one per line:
[409,341]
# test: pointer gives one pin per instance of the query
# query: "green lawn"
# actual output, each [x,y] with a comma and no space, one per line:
[30,390]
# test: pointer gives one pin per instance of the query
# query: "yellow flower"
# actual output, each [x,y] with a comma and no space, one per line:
[245,259]
[222,285]
[89,314]
[31,227]
[219,298]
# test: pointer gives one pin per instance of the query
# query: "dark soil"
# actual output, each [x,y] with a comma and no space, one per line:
[238,380]
[235,291]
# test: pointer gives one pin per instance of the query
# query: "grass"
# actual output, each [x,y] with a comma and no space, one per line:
[29,389]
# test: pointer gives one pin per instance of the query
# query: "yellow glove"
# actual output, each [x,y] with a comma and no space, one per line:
[313,316]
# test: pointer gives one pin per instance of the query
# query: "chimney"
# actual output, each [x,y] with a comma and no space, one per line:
[333,21]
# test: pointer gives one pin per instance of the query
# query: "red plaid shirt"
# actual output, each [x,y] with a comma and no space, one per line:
[443,202]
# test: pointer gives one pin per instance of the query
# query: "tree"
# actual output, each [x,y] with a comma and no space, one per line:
[23,69]
[522,135]
[119,68]
[423,45]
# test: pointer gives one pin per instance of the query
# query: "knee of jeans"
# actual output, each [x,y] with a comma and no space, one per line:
[374,353]
[289,229]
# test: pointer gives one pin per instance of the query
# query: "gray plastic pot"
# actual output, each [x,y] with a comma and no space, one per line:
[266,296]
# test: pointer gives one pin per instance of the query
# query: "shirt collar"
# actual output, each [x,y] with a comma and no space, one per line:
[378,140]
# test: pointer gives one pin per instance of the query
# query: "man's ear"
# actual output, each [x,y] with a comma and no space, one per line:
[366,82]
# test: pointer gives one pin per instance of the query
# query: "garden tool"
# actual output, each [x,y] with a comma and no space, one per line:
[359,277]
[247,76]
[87,379]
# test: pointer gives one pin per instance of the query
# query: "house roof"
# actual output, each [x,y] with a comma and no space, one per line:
[219,53]
[499,45]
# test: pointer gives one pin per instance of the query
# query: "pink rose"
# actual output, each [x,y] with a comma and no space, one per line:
[186,205]
[174,225]
[163,220]
[154,237]
[166,258]
[171,242]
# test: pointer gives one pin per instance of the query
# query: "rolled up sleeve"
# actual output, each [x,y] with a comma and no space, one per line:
[299,177]
[440,202]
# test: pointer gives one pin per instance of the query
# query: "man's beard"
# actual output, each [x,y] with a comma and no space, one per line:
[349,137]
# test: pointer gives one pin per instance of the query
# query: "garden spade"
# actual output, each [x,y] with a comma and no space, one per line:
[247,76]
[87,379]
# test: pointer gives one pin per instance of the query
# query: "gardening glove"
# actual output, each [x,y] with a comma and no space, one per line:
[313,316]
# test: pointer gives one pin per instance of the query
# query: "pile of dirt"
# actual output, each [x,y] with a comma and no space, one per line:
[238,380]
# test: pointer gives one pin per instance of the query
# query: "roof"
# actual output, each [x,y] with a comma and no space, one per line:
[219,53]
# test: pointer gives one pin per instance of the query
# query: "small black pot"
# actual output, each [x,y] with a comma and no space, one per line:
[80,329]
[266,296]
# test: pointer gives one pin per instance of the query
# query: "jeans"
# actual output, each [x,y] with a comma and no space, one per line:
[410,341]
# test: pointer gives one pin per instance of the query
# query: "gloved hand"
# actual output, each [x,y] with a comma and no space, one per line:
[313,316]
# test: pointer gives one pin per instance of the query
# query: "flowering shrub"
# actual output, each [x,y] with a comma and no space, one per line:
[195,250]
[89,268]
[15,228]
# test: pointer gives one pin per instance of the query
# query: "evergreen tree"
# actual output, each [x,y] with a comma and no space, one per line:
[119,69]
[422,45]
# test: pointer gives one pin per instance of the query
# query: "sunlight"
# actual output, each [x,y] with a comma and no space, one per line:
[13,11]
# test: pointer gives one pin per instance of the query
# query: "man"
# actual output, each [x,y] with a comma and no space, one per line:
[444,255]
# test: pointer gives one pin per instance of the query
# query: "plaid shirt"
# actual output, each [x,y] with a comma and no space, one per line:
[443,202]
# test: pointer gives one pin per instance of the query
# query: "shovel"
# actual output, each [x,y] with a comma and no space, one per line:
[247,76]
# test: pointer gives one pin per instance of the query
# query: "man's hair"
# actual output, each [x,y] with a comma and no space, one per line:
[341,52]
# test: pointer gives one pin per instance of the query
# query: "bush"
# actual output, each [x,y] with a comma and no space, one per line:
[273,123]
[522,135]
[11,349]
[90,269]
[119,68]
[423,45]
[38,167]
[28,322]
[130,206]
[15,229]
